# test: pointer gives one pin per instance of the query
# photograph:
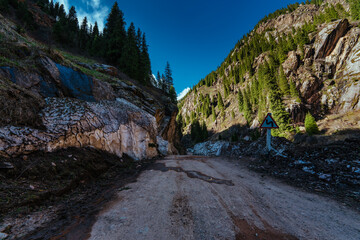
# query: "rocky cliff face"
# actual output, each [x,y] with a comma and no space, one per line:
[52,100]
[325,71]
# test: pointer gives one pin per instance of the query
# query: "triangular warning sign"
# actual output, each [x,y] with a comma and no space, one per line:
[269,122]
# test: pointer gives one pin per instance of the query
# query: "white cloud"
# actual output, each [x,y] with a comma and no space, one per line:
[96,12]
[96,16]
[183,93]
[95,3]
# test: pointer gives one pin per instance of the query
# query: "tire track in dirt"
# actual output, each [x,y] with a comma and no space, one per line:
[181,214]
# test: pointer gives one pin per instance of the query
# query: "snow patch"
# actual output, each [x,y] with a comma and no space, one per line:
[183,93]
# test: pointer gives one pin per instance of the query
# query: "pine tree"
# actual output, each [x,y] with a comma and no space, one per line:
[172,94]
[220,102]
[163,87]
[168,76]
[204,132]
[62,13]
[241,101]
[145,60]
[213,113]
[115,36]
[283,83]
[4,5]
[311,125]
[293,91]
[83,34]
[355,9]
[159,82]
[72,26]
[95,31]
[129,60]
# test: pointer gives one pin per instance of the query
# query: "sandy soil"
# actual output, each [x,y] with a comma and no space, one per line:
[191,197]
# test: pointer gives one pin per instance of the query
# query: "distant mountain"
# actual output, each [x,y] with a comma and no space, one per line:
[300,59]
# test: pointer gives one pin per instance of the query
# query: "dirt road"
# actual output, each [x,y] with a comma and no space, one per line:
[191,197]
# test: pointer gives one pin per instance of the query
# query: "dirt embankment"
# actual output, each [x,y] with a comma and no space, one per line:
[61,189]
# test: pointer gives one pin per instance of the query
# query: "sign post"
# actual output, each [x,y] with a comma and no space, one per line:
[268,123]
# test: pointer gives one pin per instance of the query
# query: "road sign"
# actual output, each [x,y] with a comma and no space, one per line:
[269,122]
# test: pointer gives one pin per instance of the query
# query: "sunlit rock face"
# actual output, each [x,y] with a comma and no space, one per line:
[117,127]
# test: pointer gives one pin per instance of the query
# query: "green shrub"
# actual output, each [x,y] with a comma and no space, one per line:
[311,125]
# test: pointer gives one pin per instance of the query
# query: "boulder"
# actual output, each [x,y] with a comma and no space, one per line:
[292,63]
[310,85]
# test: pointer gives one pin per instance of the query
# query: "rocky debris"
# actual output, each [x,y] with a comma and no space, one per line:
[117,127]
[333,168]
[210,148]
[328,37]
[309,162]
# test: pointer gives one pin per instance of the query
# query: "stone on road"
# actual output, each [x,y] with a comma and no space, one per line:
[192,197]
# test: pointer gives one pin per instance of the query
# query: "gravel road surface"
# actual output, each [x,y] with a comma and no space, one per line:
[193,197]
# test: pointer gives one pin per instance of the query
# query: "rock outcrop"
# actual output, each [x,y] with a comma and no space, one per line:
[118,127]
[329,36]
[50,101]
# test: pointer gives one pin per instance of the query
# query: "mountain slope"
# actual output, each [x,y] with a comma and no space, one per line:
[296,60]
[52,99]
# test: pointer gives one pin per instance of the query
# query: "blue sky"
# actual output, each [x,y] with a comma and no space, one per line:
[195,36]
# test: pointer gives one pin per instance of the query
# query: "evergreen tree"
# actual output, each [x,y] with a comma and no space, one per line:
[72,27]
[293,91]
[204,132]
[83,34]
[241,101]
[163,83]
[158,78]
[61,13]
[145,60]
[168,76]
[283,83]
[51,8]
[247,108]
[172,94]
[4,5]
[130,57]
[220,102]
[115,37]
[355,9]
[311,125]
[213,113]
[95,31]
